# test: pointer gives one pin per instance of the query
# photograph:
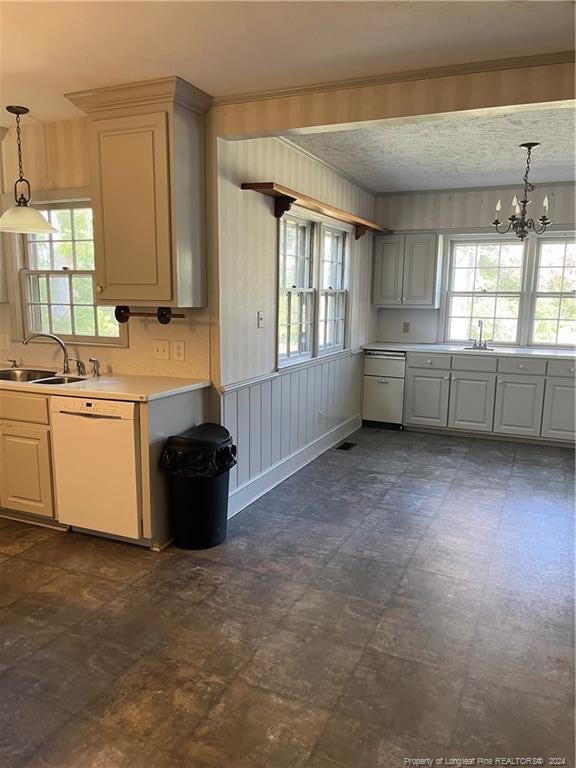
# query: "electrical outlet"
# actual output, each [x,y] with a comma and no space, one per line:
[4,341]
[178,351]
[406,327]
[160,349]
[260,319]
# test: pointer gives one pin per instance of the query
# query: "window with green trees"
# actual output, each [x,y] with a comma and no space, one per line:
[554,320]
[58,281]
[485,284]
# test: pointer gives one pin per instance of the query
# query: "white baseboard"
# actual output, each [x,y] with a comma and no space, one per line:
[244,495]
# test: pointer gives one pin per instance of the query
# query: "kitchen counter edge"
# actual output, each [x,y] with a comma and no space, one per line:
[132,388]
[454,349]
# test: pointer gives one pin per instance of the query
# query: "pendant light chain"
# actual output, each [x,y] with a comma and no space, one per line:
[19,146]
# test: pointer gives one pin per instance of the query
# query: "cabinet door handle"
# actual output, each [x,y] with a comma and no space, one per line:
[428,362]
[446,377]
[383,381]
[521,366]
[571,370]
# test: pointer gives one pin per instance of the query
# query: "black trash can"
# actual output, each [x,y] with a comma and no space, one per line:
[198,464]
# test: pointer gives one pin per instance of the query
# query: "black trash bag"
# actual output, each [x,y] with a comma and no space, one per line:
[202,451]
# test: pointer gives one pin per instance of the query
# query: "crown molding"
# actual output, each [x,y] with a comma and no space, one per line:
[174,90]
[494,65]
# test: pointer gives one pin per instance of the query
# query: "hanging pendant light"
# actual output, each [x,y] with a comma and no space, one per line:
[518,221]
[21,219]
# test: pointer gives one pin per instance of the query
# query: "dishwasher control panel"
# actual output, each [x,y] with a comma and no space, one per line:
[89,406]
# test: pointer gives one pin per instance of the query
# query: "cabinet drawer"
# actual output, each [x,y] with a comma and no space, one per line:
[474,363]
[561,367]
[382,366]
[428,360]
[521,365]
[16,406]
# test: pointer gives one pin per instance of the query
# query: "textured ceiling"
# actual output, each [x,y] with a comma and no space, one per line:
[227,48]
[466,149]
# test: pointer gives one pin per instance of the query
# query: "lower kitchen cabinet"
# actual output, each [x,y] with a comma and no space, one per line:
[559,415]
[518,409]
[472,401]
[427,394]
[25,469]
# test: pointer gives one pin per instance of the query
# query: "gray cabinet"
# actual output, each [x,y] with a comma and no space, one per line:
[558,417]
[472,401]
[388,268]
[407,270]
[427,394]
[518,409]
[146,143]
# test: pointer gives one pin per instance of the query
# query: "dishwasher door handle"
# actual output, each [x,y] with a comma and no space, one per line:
[91,415]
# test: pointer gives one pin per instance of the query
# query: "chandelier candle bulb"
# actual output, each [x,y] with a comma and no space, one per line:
[545,204]
[498,206]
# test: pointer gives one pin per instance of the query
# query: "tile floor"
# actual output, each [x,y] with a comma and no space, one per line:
[412,597]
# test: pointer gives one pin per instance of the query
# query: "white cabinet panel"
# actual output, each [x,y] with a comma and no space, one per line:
[518,408]
[132,208]
[419,284]
[25,469]
[406,270]
[427,397]
[559,416]
[472,401]
[388,271]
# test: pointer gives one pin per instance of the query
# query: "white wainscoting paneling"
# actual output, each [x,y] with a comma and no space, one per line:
[281,423]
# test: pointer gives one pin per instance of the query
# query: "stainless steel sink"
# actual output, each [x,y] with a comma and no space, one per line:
[24,374]
[60,380]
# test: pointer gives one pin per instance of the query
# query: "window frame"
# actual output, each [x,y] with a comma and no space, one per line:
[448,293]
[539,240]
[528,283]
[24,272]
[317,223]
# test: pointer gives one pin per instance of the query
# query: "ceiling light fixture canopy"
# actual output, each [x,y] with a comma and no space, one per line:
[21,219]
[518,221]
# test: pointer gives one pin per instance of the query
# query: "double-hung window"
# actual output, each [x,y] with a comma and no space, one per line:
[485,283]
[332,294]
[554,317]
[57,281]
[313,294]
[296,301]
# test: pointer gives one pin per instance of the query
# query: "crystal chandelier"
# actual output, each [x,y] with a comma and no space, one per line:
[21,218]
[518,222]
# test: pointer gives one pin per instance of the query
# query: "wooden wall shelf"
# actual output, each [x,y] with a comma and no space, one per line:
[285,198]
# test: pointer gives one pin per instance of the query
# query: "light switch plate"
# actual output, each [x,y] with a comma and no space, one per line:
[160,349]
[260,319]
[405,327]
[178,350]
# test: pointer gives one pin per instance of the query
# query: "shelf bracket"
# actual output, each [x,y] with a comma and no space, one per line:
[360,230]
[282,205]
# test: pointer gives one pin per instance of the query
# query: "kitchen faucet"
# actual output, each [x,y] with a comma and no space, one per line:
[58,340]
[478,343]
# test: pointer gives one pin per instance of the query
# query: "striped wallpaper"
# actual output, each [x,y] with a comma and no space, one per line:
[247,235]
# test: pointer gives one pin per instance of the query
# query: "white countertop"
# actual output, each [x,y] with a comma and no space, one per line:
[112,387]
[458,348]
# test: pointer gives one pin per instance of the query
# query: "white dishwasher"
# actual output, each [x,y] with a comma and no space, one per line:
[384,386]
[96,468]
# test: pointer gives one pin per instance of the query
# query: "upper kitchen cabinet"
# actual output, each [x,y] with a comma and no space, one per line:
[146,144]
[407,270]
